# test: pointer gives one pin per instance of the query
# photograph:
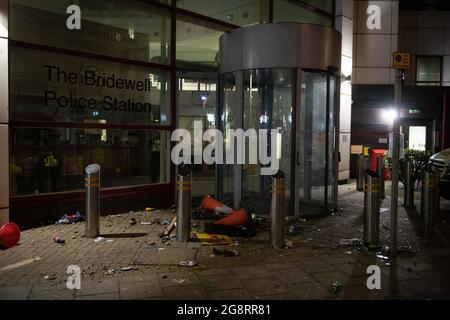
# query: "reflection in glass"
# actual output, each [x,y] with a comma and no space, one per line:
[289,11]
[197,46]
[313,139]
[197,102]
[238,12]
[227,121]
[123,29]
[267,105]
[63,88]
[331,141]
[53,160]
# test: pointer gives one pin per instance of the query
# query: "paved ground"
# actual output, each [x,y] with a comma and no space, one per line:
[36,269]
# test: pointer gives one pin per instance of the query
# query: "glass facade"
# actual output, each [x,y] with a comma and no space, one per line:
[428,71]
[238,12]
[291,11]
[113,91]
[270,102]
[53,160]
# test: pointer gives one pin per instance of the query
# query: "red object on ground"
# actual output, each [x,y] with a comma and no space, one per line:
[236,218]
[9,235]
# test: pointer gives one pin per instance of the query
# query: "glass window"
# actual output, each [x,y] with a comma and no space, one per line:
[238,12]
[289,11]
[227,121]
[55,87]
[197,46]
[325,5]
[268,97]
[53,160]
[428,71]
[122,29]
[197,105]
[313,138]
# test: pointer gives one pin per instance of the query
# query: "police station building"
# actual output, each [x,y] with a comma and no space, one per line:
[112,89]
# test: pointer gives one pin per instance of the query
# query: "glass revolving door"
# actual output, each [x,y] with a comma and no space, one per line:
[275,81]
[268,101]
[273,98]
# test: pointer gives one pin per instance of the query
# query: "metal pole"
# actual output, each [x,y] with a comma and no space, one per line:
[92,184]
[360,179]
[372,209]
[183,231]
[395,162]
[429,201]
[277,210]
[380,171]
[408,199]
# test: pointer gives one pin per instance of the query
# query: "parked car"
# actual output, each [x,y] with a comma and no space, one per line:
[441,161]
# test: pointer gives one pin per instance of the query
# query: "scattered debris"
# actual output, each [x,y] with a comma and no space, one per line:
[160,249]
[109,240]
[225,252]
[127,268]
[231,230]
[188,263]
[204,214]
[169,228]
[50,277]
[70,218]
[21,263]
[110,272]
[179,281]
[406,250]
[146,223]
[133,221]
[156,221]
[295,229]
[214,239]
[350,242]
[307,240]
[336,287]
[149,209]
[59,240]
[98,239]
[289,244]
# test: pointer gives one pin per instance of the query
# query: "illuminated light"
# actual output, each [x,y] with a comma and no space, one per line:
[210,117]
[389,115]
[95,113]
[204,98]
[131,33]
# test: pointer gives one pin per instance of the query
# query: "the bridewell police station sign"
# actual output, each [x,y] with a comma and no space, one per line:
[90,78]
[49,85]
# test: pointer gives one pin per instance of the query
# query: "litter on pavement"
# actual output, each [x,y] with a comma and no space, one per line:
[214,239]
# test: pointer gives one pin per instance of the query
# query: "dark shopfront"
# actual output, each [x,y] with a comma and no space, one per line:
[89,96]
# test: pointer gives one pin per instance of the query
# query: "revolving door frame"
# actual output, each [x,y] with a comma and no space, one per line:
[238,115]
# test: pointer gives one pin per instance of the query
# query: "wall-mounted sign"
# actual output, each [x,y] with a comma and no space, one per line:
[356,149]
[400,60]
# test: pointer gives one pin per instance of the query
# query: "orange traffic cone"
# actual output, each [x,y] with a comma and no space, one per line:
[210,203]
[234,219]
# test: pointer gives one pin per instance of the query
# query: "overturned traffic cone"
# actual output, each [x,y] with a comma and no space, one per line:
[212,204]
[234,219]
